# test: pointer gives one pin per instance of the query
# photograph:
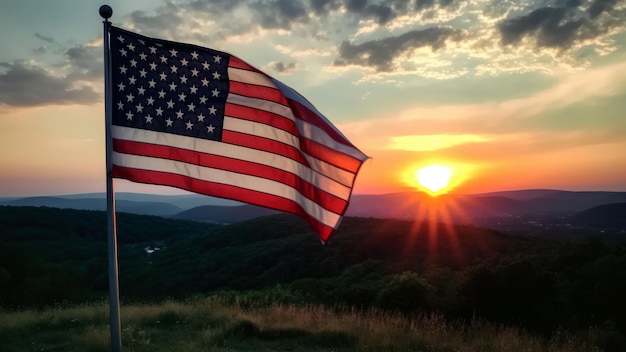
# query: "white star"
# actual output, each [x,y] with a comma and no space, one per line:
[148,118]
[132,80]
[205,65]
[152,50]
[170,104]
[216,75]
[163,76]
[191,107]
[139,108]
[217,58]
[152,83]
[210,128]
[174,69]
[183,79]
[194,72]
[150,101]
[182,97]
[189,125]
[123,69]
[120,38]
[129,115]
[203,99]
[163,59]
[173,86]
[169,122]
[143,42]
[130,97]
[215,92]
[212,110]
[194,55]
[153,66]
[193,89]
[205,82]
[121,86]
[180,114]
[133,63]
[200,118]
[184,62]
[159,111]
[141,90]
[142,73]
[161,94]
[120,105]
[173,52]
[130,47]
[123,51]
[143,56]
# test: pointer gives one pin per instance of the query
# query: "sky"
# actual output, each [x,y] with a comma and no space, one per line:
[510,95]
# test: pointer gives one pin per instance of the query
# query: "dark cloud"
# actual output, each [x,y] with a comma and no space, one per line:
[280,14]
[560,27]
[282,67]
[599,6]
[379,54]
[44,38]
[27,85]
[86,61]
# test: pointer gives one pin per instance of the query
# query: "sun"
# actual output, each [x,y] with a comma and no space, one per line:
[433,178]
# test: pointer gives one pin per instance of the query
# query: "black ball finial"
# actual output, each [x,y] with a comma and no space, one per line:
[106,11]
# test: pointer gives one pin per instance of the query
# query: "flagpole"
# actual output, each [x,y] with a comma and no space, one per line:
[114,292]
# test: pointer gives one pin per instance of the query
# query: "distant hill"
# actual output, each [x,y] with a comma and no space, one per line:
[225,215]
[452,208]
[607,215]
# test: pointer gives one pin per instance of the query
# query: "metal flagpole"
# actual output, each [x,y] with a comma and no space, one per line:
[114,292]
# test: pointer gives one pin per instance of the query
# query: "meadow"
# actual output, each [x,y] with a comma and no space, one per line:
[237,324]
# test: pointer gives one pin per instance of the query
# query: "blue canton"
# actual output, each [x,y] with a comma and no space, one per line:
[168,87]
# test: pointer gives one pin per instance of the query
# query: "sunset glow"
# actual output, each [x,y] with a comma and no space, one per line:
[433,178]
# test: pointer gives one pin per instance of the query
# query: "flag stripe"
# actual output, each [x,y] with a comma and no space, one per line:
[268,118]
[225,177]
[223,191]
[330,202]
[260,158]
[265,144]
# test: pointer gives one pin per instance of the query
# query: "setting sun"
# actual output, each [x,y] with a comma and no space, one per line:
[433,178]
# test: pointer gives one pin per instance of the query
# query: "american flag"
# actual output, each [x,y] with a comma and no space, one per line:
[207,122]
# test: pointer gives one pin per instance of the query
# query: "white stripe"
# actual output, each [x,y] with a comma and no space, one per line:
[228,178]
[261,130]
[325,181]
[249,77]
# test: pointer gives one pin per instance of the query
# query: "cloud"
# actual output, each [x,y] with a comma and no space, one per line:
[380,54]
[282,67]
[26,84]
[560,27]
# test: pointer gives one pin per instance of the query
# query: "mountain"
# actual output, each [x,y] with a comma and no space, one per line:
[225,215]
[607,215]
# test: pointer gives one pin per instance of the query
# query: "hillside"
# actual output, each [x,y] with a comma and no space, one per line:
[49,255]
[605,216]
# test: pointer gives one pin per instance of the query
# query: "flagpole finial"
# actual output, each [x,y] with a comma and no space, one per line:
[106,11]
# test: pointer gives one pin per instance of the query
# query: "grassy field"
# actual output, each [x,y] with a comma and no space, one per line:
[212,324]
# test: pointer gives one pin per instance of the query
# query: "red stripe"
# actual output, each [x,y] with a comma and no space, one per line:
[238,63]
[330,156]
[311,117]
[264,144]
[325,199]
[222,191]
[256,91]
[261,116]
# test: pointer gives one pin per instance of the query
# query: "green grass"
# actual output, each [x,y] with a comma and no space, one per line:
[212,324]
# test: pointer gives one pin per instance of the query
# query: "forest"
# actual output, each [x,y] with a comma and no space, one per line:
[51,257]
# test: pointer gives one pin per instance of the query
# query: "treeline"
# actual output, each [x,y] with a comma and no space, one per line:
[48,256]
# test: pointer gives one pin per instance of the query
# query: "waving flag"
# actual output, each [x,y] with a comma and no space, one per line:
[207,122]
